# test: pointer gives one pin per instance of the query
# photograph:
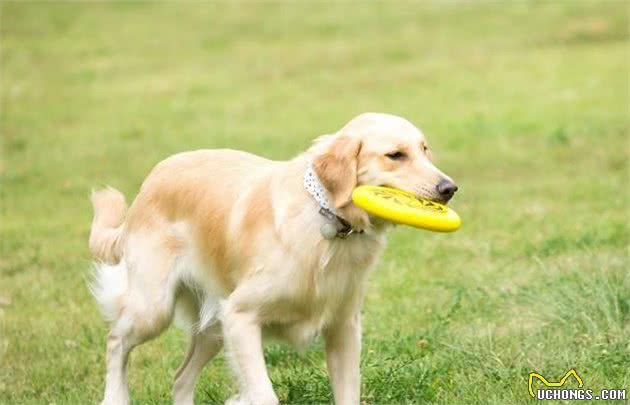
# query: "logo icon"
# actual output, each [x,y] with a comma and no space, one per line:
[560,383]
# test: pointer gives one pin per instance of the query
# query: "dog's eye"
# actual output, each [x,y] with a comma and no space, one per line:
[398,155]
[425,147]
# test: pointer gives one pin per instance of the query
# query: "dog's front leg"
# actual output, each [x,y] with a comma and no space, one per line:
[343,356]
[243,340]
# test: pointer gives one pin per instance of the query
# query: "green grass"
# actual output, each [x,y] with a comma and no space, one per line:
[526,106]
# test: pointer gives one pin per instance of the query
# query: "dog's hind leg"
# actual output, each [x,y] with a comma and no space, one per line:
[203,347]
[118,349]
[137,296]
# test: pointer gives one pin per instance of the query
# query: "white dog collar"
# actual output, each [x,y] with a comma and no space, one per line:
[314,186]
[335,226]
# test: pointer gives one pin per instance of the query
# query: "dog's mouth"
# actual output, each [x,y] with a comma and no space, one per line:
[442,201]
[433,197]
[419,194]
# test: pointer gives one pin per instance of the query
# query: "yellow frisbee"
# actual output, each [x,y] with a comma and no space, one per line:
[405,208]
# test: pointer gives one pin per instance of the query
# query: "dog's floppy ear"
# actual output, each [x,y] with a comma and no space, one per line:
[336,168]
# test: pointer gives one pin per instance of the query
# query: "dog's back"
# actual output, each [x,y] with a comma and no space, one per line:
[175,189]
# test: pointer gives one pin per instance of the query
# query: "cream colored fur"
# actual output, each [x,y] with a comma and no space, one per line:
[230,242]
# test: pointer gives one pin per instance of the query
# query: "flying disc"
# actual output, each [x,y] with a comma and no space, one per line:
[404,208]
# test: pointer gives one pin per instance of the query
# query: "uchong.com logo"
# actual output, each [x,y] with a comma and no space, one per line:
[553,390]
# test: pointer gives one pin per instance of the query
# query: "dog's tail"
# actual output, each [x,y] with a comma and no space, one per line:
[107,226]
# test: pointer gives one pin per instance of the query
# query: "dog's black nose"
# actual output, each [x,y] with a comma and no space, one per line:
[446,189]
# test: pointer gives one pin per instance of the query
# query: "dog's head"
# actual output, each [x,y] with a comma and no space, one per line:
[380,150]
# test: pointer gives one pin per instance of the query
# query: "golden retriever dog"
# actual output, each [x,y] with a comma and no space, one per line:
[238,248]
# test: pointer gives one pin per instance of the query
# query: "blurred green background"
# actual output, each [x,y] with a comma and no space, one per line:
[525,103]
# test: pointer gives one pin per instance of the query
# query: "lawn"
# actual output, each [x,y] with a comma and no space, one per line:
[526,106]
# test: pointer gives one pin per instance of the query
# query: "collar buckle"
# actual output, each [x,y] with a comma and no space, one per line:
[344,228]
[344,233]
[336,226]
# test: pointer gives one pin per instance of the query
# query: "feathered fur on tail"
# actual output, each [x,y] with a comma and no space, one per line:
[106,234]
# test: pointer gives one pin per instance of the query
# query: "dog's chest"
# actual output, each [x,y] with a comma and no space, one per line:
[328,289]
